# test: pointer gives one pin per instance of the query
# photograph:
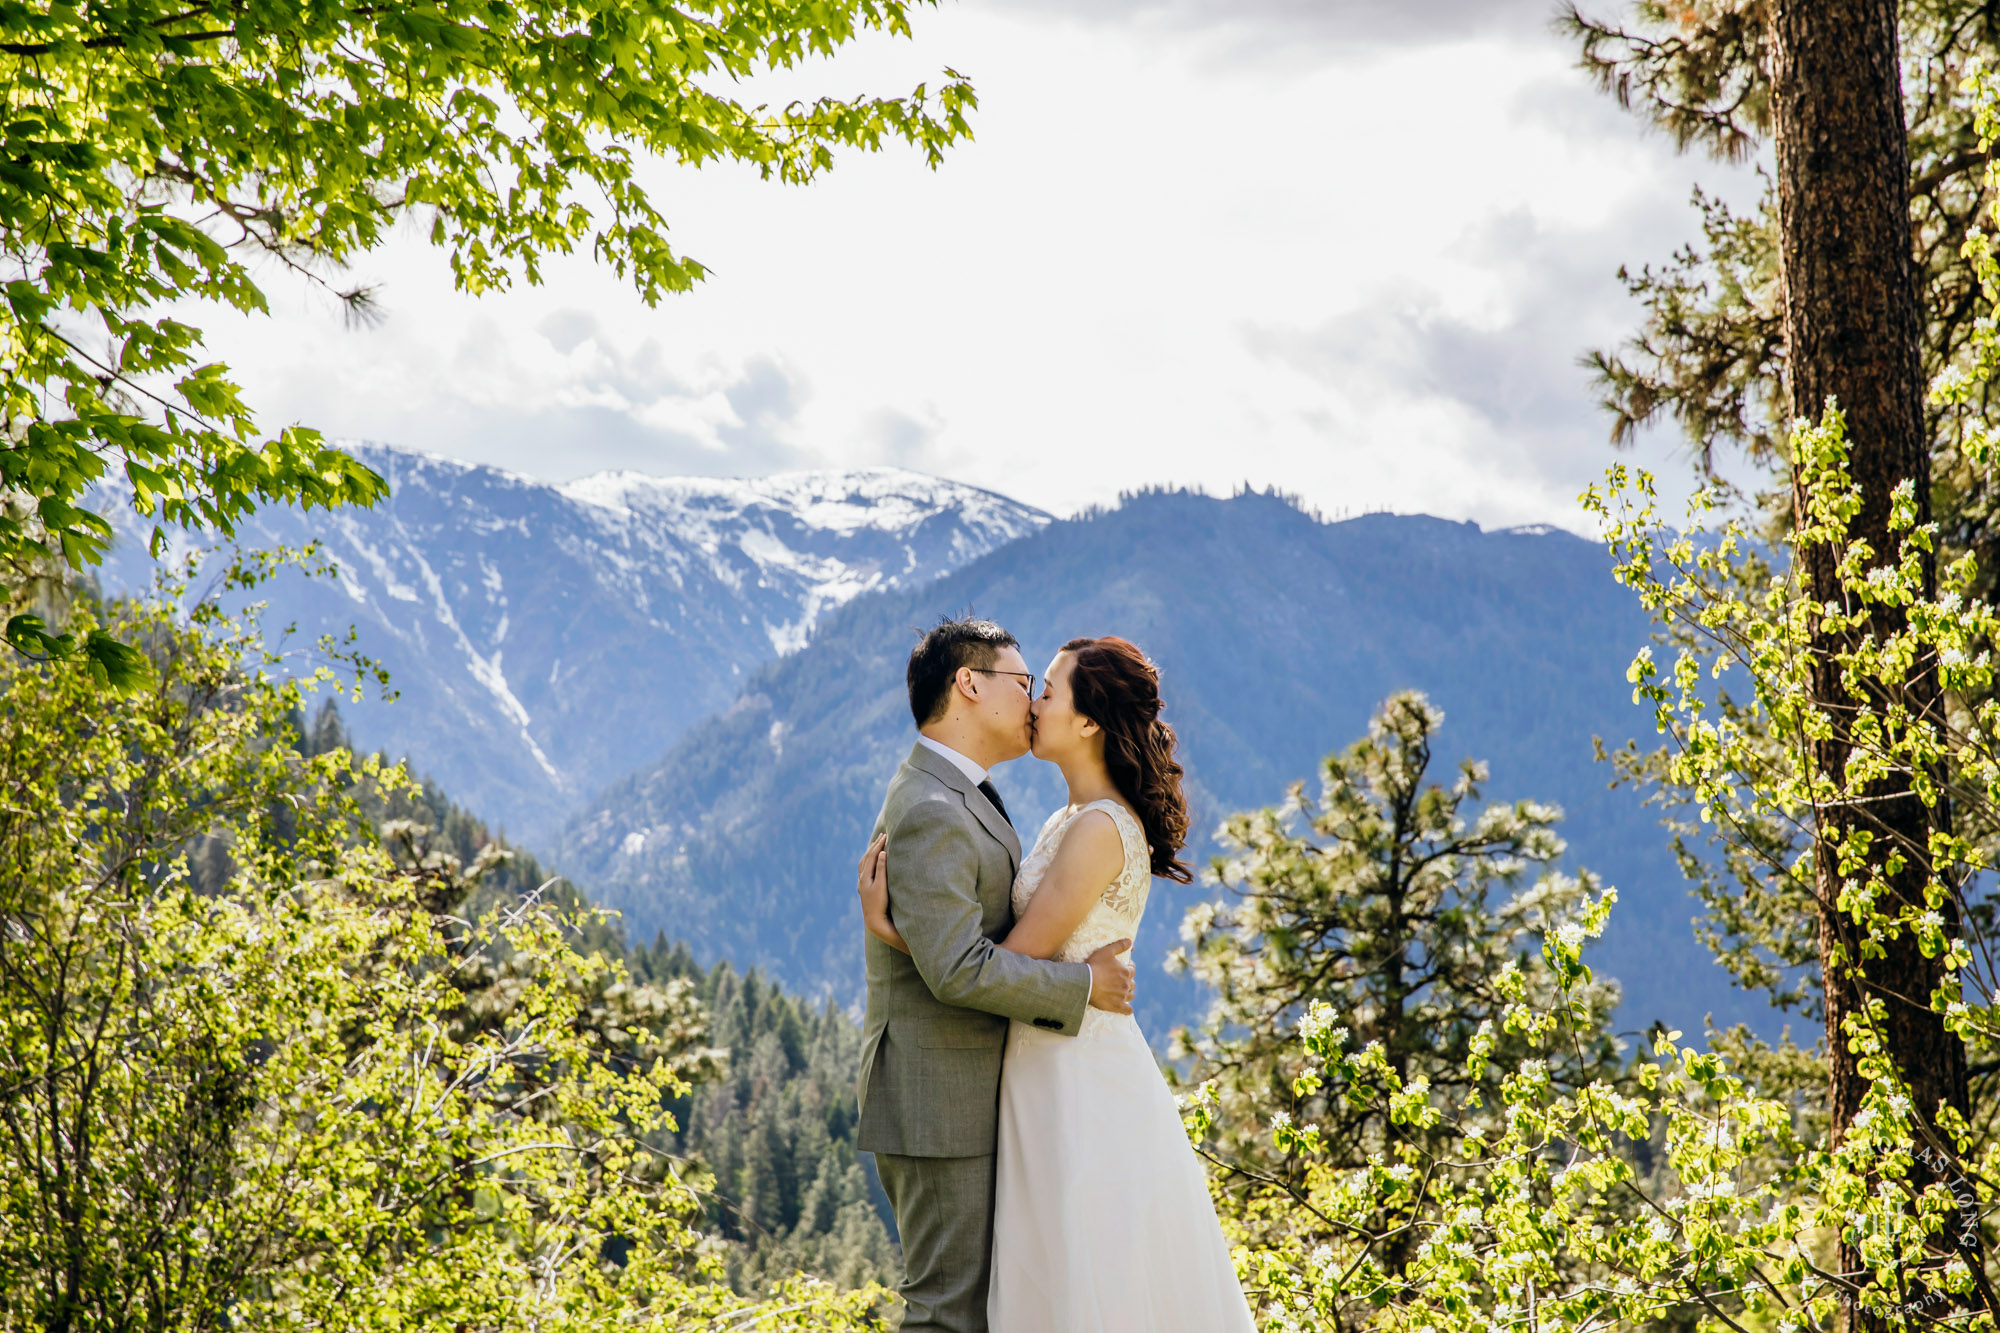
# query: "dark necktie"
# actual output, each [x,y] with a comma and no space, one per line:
[986,789]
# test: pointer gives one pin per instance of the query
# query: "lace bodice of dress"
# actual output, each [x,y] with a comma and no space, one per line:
[1116,915]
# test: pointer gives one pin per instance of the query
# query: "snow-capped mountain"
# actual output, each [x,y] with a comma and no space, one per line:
[548,639]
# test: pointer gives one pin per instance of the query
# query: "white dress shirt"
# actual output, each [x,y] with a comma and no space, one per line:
[959,761]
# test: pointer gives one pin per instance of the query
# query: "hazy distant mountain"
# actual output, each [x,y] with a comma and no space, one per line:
[548,639]
[1277,634]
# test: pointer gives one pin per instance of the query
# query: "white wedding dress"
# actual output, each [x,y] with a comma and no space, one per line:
[1101,1217]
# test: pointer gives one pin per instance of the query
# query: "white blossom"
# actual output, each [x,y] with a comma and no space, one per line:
[1203,1097]
[1317,1020]
[1199,919]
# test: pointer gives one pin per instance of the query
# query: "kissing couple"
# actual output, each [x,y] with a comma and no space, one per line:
[1028,1143]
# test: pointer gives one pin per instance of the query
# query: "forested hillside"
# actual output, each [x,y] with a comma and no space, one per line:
[1277,632]
[776,1129]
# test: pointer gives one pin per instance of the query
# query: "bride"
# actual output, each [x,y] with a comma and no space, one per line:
[1088,1119]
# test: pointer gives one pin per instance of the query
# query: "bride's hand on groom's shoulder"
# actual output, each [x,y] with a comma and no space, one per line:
[1113,980]
[871,879]
[871,882]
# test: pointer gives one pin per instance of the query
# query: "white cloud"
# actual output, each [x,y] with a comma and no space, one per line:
[1362,274]
[1290,31]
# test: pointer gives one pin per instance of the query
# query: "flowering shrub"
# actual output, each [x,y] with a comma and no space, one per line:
[1670,1192]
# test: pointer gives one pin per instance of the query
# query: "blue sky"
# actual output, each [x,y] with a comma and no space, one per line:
[1350,248]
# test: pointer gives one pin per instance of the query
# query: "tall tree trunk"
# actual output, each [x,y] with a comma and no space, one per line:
[1851,326]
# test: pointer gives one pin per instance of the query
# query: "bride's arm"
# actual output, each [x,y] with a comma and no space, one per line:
[1091,856]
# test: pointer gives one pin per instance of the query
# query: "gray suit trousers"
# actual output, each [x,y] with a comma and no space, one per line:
[944,1211]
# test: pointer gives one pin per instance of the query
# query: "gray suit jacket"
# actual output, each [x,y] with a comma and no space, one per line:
[937,1016]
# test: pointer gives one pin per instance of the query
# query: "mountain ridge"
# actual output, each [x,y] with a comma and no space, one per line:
[547,638]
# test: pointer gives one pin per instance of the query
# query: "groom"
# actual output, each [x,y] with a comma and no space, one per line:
[937,1018]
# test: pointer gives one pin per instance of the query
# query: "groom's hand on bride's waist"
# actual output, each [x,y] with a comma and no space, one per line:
[1112,978]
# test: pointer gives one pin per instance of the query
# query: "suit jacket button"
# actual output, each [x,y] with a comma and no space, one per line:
[1049,1023]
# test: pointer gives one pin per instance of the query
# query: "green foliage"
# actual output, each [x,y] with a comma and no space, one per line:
[1749,857]
[1741,1214]
[1372,904]
[259,1066]
[1705,1189]
[1546,1221]
[1749,865]
[765,1129]
[153,150]
[1696,1186]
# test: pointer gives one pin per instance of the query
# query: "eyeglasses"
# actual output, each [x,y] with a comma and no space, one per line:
[1027,676]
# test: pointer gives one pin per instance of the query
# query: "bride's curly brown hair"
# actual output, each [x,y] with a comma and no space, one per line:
[1113,685]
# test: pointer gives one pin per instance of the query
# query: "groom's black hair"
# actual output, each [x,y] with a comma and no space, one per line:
[947,646]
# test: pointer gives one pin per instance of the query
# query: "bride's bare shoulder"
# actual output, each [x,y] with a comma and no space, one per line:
[1092,838]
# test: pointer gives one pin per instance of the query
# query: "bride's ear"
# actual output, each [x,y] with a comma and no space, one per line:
[1090,727]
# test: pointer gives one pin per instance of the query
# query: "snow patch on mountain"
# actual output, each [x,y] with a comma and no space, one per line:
[795,531]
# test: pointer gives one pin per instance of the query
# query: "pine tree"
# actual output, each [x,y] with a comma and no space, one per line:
[1382,905]
[1852,331]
